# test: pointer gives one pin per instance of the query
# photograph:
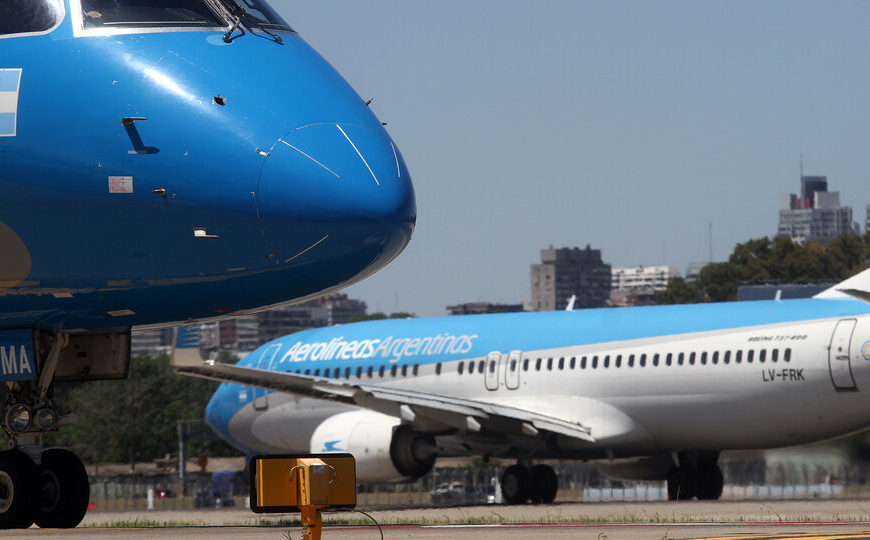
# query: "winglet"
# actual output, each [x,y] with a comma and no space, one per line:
[185,347]
[857,286]
[571,301]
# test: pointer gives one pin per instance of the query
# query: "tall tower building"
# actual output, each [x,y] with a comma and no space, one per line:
[815,216]
[867,220]
[570,271]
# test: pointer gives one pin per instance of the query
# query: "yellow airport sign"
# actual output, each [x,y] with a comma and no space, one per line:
[289,483]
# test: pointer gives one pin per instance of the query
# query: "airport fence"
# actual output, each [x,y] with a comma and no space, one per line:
[478,484]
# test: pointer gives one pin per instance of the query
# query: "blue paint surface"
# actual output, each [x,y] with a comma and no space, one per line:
[7,123]
[17,362]
[330,446]
[281,228]
[9,79]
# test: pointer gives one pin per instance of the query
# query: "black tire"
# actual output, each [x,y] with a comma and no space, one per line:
[710,482]
[515,485]
[17,496]
[63,491]
[545,484]
[681,485]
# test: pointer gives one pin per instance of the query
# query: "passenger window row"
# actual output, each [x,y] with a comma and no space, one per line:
[561,363]
[359,371]
[670,359]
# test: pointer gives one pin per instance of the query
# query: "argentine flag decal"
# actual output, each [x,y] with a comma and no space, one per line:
[10,80]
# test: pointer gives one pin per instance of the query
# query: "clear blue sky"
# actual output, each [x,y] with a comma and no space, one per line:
[625,125]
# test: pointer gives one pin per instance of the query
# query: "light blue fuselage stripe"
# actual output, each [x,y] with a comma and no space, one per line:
[548,330]
[9,80]
[7,123]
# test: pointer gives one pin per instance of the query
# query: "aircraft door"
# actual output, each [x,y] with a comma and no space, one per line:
[839,355]
[261,398]
[512,370]
[491,370]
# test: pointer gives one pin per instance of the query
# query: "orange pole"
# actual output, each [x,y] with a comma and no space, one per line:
[312,523]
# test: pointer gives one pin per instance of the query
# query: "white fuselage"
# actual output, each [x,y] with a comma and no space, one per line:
[747,387]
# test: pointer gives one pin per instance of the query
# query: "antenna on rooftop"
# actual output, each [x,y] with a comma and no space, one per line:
[710,239]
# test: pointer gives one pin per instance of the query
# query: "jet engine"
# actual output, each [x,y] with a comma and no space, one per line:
[385,450]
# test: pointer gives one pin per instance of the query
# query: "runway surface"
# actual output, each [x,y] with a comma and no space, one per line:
[785,531]
[732,520]
[802,536]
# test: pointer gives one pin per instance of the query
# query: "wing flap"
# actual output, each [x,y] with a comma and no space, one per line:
[417,407]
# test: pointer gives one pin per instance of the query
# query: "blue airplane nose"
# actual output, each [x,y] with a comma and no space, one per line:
[349,179]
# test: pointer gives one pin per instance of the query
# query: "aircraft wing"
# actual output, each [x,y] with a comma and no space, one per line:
[425,410]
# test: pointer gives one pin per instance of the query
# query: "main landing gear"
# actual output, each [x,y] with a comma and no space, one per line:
[696,475]
[520,484]
[48,487]
[53,494]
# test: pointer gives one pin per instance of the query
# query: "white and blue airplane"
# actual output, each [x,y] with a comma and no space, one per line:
[161,162]
[648,392]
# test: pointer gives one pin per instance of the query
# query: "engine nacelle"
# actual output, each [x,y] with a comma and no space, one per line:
[385,450]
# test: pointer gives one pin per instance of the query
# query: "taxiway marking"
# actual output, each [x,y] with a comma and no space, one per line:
[791,536]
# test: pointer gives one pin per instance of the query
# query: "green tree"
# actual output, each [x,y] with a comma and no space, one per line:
[771,261]
[133,419]
[719,281]
[680,291]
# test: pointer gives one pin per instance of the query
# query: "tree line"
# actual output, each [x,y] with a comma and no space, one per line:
[135,419]
[775,260]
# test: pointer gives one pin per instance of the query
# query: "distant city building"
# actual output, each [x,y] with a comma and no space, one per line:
[209,335]
[151,342]
[693,272]
[637,285]
[476,308]
[816,215]
[246,333]
[867,219]
[239,334]
[565,272]
[339,308]
[635,296]
[282,321]
[638,277]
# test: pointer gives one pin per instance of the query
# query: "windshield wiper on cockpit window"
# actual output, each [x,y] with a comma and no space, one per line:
[276,37]
[237,11]
[237,14]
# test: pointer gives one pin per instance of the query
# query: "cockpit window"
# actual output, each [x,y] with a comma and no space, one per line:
[29,16]
[149,13]
[261,14]
[190,13]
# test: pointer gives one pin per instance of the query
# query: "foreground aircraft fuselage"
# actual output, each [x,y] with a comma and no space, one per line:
[165,162]
[653,392]
[151,171]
